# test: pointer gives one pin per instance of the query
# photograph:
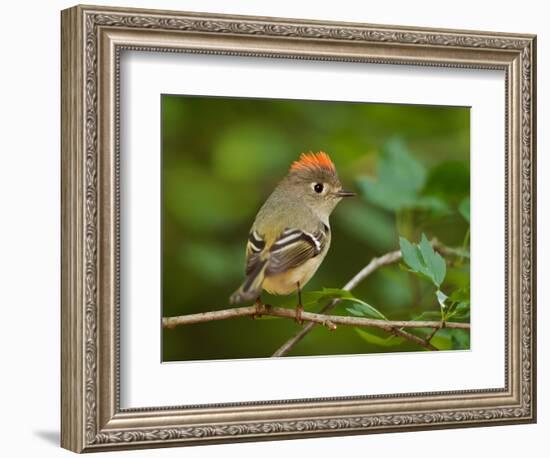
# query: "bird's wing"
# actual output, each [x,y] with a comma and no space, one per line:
[255,256]
[294,247]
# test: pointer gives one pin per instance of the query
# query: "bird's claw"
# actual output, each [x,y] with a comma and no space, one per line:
[299,310]
[259,309]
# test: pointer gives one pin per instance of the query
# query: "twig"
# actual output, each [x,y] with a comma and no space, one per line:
[318,318]
[448,251]
[330,321]
[411,337]
[375,263]
[430,336]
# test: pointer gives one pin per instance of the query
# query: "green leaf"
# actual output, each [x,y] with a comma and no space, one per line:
[411,255]
[401,167]
[442,342]
[423,259]
[400,178]
[361,308]
[434,262]
[333,292]
[462,311]
[380,341]
[428,316]
[451,339]
[433,203]
[327,294]
[460,294]
[460,339]
[311,298]
[464,208]
[355,311]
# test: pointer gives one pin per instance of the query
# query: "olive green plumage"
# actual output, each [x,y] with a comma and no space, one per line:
[291,232]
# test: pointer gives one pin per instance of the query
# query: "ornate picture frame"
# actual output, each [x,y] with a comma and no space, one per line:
[93,39]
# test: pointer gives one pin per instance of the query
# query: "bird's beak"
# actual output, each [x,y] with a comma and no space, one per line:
[344,193]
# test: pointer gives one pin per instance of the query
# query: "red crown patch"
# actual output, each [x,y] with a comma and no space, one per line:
[320,160]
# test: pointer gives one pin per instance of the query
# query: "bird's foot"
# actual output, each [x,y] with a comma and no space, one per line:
[299,310]
[260,309]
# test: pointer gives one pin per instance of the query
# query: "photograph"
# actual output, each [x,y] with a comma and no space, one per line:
[313,228]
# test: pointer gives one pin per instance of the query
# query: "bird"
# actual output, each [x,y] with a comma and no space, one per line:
[291,233]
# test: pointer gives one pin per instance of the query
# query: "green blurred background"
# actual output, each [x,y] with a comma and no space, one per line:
[222,157]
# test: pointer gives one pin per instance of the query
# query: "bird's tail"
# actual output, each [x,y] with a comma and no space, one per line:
[252,286]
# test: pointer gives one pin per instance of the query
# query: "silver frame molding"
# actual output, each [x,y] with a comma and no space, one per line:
[92,40]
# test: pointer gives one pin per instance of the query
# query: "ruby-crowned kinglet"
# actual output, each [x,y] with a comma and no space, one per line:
[291,233]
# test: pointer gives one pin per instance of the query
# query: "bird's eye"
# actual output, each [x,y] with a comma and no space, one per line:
[318,188]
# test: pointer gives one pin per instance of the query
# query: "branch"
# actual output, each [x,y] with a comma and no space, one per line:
[375,263]
[318,318]
[330,321]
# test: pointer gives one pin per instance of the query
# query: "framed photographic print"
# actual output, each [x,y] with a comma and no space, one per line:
[278,228]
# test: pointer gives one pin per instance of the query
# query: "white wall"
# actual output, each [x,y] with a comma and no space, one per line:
[29,241]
